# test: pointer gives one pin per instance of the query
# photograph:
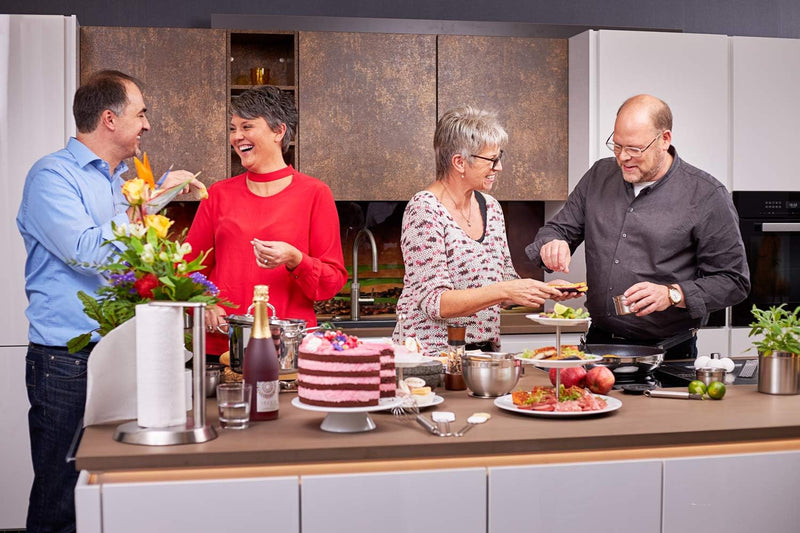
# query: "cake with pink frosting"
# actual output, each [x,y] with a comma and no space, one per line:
[338,370]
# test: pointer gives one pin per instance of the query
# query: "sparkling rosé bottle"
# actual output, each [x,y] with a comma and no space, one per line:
[261,366]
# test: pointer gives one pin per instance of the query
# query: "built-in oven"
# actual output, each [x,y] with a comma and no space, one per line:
[770,226]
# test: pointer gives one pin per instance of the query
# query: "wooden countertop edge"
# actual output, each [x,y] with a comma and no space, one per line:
[477,461]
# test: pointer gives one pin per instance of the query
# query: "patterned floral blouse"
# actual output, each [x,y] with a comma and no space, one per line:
[439,256]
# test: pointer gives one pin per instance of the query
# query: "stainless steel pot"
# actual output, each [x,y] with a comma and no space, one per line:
[287,334]
[627,360]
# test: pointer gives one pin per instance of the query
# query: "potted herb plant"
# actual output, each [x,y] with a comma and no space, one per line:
[778,344]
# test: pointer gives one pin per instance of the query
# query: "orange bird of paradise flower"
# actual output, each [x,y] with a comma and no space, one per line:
[144,171]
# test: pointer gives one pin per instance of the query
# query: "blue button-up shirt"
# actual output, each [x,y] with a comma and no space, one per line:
[68,203]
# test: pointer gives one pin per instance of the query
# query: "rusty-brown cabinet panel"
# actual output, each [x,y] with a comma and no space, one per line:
[185,90]
[368,111]
[526,81]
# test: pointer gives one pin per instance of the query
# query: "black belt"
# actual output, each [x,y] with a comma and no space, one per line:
[88,348]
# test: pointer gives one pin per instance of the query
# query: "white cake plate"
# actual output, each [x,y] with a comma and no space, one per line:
[348,419]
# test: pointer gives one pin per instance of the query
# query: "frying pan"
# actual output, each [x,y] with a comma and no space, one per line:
[627,360]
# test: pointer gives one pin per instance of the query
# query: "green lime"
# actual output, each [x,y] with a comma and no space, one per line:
[560,309]
[716,390]
[697,387]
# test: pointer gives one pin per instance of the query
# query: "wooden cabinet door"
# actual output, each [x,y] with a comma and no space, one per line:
[185,90]
[367,105]
[526,81]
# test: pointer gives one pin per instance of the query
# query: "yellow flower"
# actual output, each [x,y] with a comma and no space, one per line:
[134,191]
[143,170]
[160,223]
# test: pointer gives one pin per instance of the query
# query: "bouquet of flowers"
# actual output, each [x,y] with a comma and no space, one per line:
[145,265]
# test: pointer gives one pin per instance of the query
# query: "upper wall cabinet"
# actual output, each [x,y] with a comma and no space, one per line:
[185,89]
[765,109]
[367,104]
[259,58]
[688,71]
[525,80]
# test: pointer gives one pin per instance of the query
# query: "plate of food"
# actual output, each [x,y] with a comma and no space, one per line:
[541,401]
[548,357]
[561,315]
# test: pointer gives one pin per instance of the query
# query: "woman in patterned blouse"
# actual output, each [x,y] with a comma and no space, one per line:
[457,264]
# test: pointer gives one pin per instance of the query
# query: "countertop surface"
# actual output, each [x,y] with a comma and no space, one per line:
[744,415]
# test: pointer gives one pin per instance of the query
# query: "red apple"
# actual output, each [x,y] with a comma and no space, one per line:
[600,380]
[569,376]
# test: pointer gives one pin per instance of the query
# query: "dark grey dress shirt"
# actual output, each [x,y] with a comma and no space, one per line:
[683,229]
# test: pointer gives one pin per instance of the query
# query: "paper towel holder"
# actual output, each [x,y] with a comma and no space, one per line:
[195,430]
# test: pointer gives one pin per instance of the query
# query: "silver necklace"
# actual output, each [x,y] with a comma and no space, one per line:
[466,217]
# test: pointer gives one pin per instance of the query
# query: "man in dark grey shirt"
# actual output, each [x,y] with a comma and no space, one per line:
[659,231]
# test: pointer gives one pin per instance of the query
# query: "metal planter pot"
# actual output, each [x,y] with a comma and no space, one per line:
[779,373]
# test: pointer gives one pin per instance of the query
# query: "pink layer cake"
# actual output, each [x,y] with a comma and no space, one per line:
[388,372]
[336,370]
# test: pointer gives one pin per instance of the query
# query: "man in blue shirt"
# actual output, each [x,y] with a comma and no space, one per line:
[70,199]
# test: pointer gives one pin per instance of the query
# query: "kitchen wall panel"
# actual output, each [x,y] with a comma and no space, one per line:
[525,80]
[184,73]
[367,103]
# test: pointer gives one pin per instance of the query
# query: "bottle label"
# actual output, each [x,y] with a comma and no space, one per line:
[267,396]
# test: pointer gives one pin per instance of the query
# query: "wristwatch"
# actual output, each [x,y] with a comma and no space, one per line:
[675,296]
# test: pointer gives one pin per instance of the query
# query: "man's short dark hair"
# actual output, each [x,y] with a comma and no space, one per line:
[103,90]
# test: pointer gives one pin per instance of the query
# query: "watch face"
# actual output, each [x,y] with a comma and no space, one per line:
[674,296]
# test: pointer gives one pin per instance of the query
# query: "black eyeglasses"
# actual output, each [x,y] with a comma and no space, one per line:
[632,151]
[493,160]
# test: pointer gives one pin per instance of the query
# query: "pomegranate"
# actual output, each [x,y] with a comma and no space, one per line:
[569,376]
[600,380]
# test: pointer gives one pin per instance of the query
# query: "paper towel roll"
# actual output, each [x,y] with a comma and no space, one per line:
[160,399]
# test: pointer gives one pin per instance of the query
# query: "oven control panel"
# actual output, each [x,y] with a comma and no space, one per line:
[767,204]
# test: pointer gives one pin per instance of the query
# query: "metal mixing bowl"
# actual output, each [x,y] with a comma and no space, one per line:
[490,374]
[213,378]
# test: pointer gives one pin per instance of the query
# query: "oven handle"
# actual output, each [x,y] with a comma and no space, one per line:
[774,227]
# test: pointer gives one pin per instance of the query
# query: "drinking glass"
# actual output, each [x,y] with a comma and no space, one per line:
[233,402]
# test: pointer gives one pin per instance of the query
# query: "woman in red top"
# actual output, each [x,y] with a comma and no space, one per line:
[271,225]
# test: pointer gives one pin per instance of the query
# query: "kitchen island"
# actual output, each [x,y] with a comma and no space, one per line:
[669,462]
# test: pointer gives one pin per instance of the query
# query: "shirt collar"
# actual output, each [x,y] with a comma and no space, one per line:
[84,156]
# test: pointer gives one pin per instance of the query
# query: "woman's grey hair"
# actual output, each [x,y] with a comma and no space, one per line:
[273,105]
[465,130]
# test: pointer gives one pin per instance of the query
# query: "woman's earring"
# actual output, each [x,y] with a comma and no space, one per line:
[462,176]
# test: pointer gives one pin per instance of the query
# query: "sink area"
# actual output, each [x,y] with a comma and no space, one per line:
[346,323]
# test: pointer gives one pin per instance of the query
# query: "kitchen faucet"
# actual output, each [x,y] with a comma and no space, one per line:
[355,287]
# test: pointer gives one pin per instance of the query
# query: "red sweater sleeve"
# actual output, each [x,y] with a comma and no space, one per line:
[321,273]
[201,236]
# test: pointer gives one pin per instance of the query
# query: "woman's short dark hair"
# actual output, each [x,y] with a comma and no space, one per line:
[103,90]
[273,105]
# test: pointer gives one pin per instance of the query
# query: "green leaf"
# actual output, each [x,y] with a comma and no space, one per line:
[78,343]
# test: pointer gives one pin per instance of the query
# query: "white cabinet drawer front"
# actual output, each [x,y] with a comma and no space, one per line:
[613,497]
[257,504]
[395,502]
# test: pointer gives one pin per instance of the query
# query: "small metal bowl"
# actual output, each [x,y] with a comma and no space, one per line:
[707,375]
[490,374]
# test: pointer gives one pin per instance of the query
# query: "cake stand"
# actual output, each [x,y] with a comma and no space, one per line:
[557,362]
[348,419]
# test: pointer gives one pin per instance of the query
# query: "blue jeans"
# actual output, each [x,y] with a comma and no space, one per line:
[56,382]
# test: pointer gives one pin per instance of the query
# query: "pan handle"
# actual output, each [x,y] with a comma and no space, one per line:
[676,339]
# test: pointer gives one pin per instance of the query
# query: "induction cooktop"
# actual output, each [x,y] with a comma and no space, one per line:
[680,373]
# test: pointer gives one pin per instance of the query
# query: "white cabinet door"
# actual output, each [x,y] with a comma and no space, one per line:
[35,119]
[613,497]
[688,71]
[735,494]
[213,506]
[16,471]
[765,76]
[395,502]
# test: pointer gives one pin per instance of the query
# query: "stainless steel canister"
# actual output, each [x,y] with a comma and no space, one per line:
[779,373]
[287,334]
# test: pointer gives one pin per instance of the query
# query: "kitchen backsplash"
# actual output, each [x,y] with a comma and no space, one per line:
[384,219]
